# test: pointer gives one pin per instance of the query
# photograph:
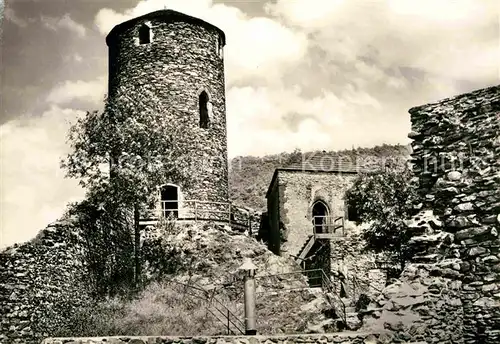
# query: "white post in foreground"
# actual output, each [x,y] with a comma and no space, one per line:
[249,268]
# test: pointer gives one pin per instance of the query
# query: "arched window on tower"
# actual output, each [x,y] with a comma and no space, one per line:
[204,105]
[144,34]
[169,198]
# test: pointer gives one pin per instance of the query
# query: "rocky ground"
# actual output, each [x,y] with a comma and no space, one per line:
[209,258]
[424,303]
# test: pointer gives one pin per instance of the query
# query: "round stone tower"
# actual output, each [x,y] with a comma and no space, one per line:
[172,63]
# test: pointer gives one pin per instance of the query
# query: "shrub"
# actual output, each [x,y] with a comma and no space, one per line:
[384,200]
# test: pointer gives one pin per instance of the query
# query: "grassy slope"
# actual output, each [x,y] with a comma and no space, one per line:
[250,176]
[209,258]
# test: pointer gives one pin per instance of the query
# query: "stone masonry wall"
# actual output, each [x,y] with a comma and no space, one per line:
[424,303]
[421,307]
[300,189]
[351,338]
[456,157]
[41,285]
[359,268]
[167,76]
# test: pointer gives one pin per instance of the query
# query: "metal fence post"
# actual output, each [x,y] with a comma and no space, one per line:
[249,268]
[195,211]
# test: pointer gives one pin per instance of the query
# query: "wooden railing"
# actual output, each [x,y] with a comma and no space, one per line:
[325,227]
[196,210]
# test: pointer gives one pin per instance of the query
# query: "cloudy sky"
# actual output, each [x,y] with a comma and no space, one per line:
[307,74]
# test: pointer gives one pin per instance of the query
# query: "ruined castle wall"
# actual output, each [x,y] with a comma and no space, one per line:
[360,271]
[167,76]
[352,338]
[421,306]
[456,157]
[41,286]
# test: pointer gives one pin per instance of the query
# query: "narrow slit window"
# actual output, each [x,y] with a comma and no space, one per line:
[144,34]
[203,104]
[220,50]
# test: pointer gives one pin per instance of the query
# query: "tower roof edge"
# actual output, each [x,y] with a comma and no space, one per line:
[165,14]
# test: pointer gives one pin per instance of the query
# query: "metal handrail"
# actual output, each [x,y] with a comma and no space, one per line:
[359,283]
[299,272]
[211,300]
[326,285]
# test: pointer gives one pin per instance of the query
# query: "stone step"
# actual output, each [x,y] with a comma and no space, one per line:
[346,301]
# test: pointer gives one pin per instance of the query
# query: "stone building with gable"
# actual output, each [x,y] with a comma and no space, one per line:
[307,218]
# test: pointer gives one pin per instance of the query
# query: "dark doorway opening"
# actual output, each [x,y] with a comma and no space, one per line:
[352,212]
[170,201]
[319,257]
[320,217]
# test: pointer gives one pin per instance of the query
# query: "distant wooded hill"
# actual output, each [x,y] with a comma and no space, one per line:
[249,176]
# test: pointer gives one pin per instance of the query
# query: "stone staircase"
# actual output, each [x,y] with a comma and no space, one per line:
[352,320]
[331,233]
[344,309]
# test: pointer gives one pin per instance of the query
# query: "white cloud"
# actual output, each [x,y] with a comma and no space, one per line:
[34,191]
[305,14]
[435,36]
[442,12]
[66,22]
[107,18]
[272,121]
[261,48]
[258,48]
[68,91]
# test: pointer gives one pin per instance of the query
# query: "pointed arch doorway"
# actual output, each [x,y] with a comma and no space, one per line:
[319,257]
[320,215]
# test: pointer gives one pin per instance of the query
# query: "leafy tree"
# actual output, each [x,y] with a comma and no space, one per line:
[121,156]
[138,150]
[294,158]
[108,248]
[384,199]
